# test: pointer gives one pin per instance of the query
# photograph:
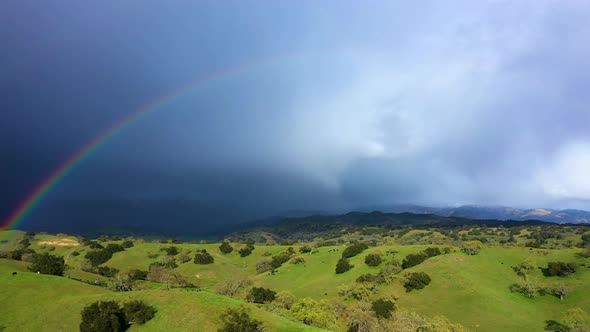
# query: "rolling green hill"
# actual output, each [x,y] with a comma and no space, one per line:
[472,290]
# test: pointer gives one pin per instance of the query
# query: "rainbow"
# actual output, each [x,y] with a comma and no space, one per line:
[59,173]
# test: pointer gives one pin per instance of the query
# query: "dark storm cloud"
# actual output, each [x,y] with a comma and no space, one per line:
[432,103]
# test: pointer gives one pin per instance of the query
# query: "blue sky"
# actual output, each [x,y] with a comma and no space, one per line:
[351,104]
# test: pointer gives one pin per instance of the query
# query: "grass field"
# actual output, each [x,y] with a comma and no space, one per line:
[470,290]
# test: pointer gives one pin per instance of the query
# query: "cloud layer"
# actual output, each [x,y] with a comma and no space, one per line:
[433,103]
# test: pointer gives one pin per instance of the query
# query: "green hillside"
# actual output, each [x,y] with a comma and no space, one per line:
[471,290]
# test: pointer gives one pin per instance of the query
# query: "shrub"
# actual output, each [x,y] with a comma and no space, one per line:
[184,257]
[413,260]
[343,265]
[25,242]
[167,276]
[285,299]
[383,308]
[312,312]
[225,247]
[552,325]
[137,274]
[166,261]
[373,259]
[246,251]
[263,266]
[529,289]
[17,254]
[431,252]
[233,320]
[416,280]
[127,244]
[231,287]
[471,247]
[103,317]
[93,244]
[107,271]
[354,250]
[560,269]
[75,253]
[203,257]
[48,264]
[138,312]
[367,278]
[305,249]
[279,259]
[261,295]
[298,260]
[170,251]
[113,248]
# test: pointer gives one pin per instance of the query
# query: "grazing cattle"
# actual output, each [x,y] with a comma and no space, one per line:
[13,273]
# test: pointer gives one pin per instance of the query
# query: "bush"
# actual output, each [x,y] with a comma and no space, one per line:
[343,265]
[127,244]
[431,252]
[75,253]
[225,247]
[560,269]
[17,254]
[471,247]
[233,320]
[261,295]
[373,259]
[416,280]
[48,264]
[203,257]
[107,271]
[279,259]
[298,260]
[413,260]
[138,312]
[246,251]
[170,251]
[354,250]
[137,274]
[305,249]
[101,256]
[367,278]
[383,308]
[529,289]
[184,257]
[93,244]
[167,262]
[113,248]
[552,325]
[263,266]
[231,287]
[103,317]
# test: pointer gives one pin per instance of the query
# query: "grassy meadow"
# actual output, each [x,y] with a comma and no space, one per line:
[472,290]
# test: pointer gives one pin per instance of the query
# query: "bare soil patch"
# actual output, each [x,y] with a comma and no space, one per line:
[60,243]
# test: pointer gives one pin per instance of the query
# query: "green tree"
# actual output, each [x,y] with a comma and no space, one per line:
[343,265]
[383,308]
[373,259]
[416,280]
[261,295]
[225,247]
[48,264]
[103,317]
[203,257]
[138,312]
[239,321]
[413,260]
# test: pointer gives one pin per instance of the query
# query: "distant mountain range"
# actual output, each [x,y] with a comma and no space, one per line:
[493,212]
